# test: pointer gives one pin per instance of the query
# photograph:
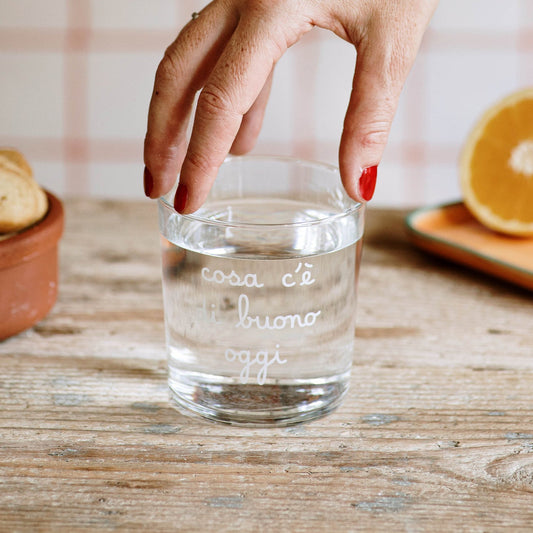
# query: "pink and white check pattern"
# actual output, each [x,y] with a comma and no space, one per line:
[77,78]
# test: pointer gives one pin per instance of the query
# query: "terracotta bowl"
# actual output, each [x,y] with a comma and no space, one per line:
[29,271]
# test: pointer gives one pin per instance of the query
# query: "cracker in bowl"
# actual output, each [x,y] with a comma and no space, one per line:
[22,201]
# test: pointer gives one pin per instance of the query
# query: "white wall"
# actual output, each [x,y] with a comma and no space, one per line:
[77,77]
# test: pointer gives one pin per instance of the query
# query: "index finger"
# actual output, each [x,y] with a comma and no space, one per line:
[233,86]
[182,72]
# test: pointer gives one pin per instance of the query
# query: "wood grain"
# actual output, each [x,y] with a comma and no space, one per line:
[435,435]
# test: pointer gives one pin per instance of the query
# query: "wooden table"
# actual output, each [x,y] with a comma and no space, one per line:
[435,435]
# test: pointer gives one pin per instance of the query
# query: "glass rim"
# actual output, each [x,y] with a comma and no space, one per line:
[194,217]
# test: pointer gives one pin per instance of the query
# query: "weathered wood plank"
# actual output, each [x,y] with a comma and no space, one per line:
[436,432]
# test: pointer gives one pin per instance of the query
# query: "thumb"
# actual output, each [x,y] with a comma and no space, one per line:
[373,102]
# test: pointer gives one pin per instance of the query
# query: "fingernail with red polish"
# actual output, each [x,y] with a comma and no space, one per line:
[148,182]
[367,183]
[180,200]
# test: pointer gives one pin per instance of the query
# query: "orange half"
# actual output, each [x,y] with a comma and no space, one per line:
[496,166]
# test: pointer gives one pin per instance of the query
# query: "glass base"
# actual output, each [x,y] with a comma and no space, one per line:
[275,404]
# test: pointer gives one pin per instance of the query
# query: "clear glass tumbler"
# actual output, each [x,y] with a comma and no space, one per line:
[259,292]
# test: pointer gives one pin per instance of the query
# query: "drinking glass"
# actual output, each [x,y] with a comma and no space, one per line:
[259,291]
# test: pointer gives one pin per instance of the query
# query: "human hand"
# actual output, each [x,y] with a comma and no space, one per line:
[228,53]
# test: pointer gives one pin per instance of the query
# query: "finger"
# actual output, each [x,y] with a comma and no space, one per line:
[372,105]
[184,69]
[234,85]
[252,122]
[385,54]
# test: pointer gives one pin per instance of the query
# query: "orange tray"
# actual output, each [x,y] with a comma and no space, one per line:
[450,231]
